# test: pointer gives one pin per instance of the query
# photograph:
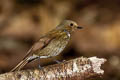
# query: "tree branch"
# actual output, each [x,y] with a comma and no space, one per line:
[76,69]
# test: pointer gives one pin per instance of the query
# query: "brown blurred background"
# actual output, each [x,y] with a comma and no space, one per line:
[22,22]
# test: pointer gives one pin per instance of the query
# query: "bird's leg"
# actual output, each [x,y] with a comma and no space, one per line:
[39,64]
[63,60]
[57,61]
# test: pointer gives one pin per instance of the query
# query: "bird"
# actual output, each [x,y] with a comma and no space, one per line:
[50,44]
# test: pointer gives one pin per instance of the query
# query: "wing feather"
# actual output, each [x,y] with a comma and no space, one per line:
[43,41]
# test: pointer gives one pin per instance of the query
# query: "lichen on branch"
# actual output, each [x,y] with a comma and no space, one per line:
[75,69]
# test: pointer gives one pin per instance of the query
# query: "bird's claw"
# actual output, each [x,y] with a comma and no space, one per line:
[63,60]
[40,67]
[59,61]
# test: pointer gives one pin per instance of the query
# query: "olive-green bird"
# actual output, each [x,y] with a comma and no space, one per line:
[51,44]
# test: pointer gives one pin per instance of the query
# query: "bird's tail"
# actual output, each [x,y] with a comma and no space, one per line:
[23,63]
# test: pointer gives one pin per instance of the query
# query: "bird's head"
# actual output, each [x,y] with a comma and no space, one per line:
[68,25]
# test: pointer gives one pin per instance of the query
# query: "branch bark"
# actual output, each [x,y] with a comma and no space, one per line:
[75,69]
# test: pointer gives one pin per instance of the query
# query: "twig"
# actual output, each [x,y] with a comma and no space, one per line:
[76,69]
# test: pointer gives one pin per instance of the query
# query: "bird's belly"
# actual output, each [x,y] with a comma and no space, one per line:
[54,48]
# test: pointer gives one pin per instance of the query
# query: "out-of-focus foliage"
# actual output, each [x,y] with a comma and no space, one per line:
[22,22]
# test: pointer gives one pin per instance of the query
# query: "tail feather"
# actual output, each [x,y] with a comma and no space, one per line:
[20,65]
[23,63]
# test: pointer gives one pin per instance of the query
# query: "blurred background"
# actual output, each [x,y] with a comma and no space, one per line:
[22,22]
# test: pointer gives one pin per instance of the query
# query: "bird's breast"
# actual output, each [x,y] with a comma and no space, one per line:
[55,47]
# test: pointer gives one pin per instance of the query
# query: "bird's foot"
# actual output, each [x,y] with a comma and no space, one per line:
[63,60]
[59,61]
[39,64]
[39,67]
[42,69]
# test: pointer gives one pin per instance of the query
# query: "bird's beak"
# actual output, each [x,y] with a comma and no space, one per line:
[79,27]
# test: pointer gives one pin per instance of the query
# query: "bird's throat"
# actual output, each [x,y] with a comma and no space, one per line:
[68,33]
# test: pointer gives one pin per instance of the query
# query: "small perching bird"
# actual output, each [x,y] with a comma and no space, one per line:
[51,44]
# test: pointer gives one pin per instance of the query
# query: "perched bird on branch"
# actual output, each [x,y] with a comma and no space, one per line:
[51,44]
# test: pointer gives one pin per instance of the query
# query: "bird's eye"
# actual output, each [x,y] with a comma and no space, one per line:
[71,24]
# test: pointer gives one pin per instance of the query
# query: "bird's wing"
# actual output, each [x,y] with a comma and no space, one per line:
[43,41]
